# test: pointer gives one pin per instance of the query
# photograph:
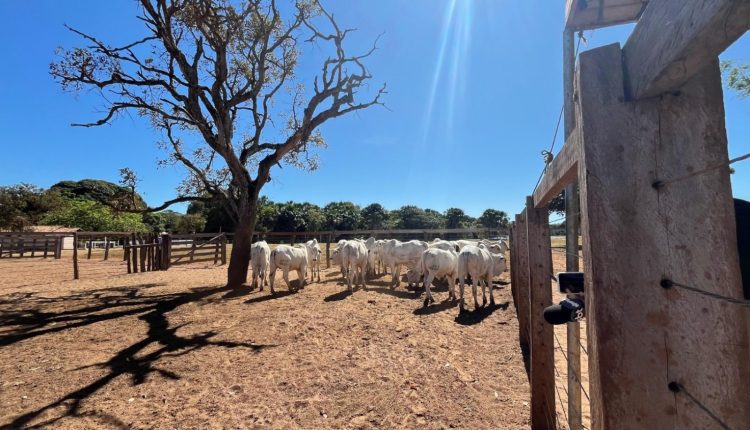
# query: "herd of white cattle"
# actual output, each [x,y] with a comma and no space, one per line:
[453,261]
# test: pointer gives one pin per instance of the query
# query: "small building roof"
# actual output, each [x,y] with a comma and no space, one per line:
[53,229]
[588,14]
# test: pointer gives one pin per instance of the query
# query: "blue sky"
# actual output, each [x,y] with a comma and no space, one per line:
[473,99]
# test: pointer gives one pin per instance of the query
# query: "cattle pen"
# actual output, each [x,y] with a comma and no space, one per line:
[666,320]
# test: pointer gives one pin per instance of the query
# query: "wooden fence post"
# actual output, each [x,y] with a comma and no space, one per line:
[166,253]
[543,416]
[328,250]
[126,253]
[223,249]
[75,256]
[640,232]
[513,269]
[91,247]
[134,252]
[143,253]
[106,248]
[192,250]
[522,278]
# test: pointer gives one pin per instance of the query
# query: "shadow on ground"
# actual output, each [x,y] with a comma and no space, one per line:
[476,316]
[110,304]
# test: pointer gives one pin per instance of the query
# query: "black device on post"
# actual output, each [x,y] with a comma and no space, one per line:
[570,282]
[572,308]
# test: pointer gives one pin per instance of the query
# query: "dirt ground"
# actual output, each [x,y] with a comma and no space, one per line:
[175,349]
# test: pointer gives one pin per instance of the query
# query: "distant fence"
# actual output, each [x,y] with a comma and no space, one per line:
[98,254]
[28,244]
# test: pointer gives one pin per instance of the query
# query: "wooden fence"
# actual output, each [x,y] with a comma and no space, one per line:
[196,248]
[30,244]
[667,323]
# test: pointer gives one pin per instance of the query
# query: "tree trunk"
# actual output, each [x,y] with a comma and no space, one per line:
[239,260]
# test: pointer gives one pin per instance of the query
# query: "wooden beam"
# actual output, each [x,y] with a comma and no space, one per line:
[522,278]
[590,14]
[562,171]
[675,40]
[543,415]
[642,336]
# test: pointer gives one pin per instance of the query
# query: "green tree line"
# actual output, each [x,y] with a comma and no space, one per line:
[82,204]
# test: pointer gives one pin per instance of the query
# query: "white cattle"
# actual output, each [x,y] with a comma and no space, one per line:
[336,257]
[354,258]
[482,265]
[372,256]
[289,258]
[313,252]
[438,264]
[498,247]
[260,255]
[395,254]
[443,244]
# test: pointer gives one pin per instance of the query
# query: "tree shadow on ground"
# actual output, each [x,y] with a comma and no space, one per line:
[478,315]
[240,291]
[128,361]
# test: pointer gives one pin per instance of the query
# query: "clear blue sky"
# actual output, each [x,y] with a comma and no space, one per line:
[473,99]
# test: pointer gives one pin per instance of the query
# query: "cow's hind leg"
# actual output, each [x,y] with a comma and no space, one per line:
[474,281]
[428,294]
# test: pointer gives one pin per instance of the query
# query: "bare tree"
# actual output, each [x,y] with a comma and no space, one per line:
[224,71]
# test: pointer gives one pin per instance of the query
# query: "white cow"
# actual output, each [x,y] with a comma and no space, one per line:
[354,258]
[336,257]
[289,258]
[437,264]
[482,265]
[260,255]
[395,254]
[313,252]
[498,247]
[443,244]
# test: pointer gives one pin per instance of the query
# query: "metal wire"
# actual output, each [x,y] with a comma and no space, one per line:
[566,252]
[677,388]
[578,380]
[667,283]
[559,120]
[660,183]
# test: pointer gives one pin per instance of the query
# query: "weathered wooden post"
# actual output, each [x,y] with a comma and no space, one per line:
[328,250]
[522,278]
[649,221]
[543,415]
[513,285]
[572,210]
[134,251]
[166,251]
[91,247]
[223,249]
[126,253]
[106,248]
[75,255]
[142,252]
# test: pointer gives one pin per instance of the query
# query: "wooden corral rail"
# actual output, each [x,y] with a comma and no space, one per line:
[31,244]
[214,249]
[659,356]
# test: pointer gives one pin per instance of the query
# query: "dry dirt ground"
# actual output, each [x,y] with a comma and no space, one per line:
[175,349]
